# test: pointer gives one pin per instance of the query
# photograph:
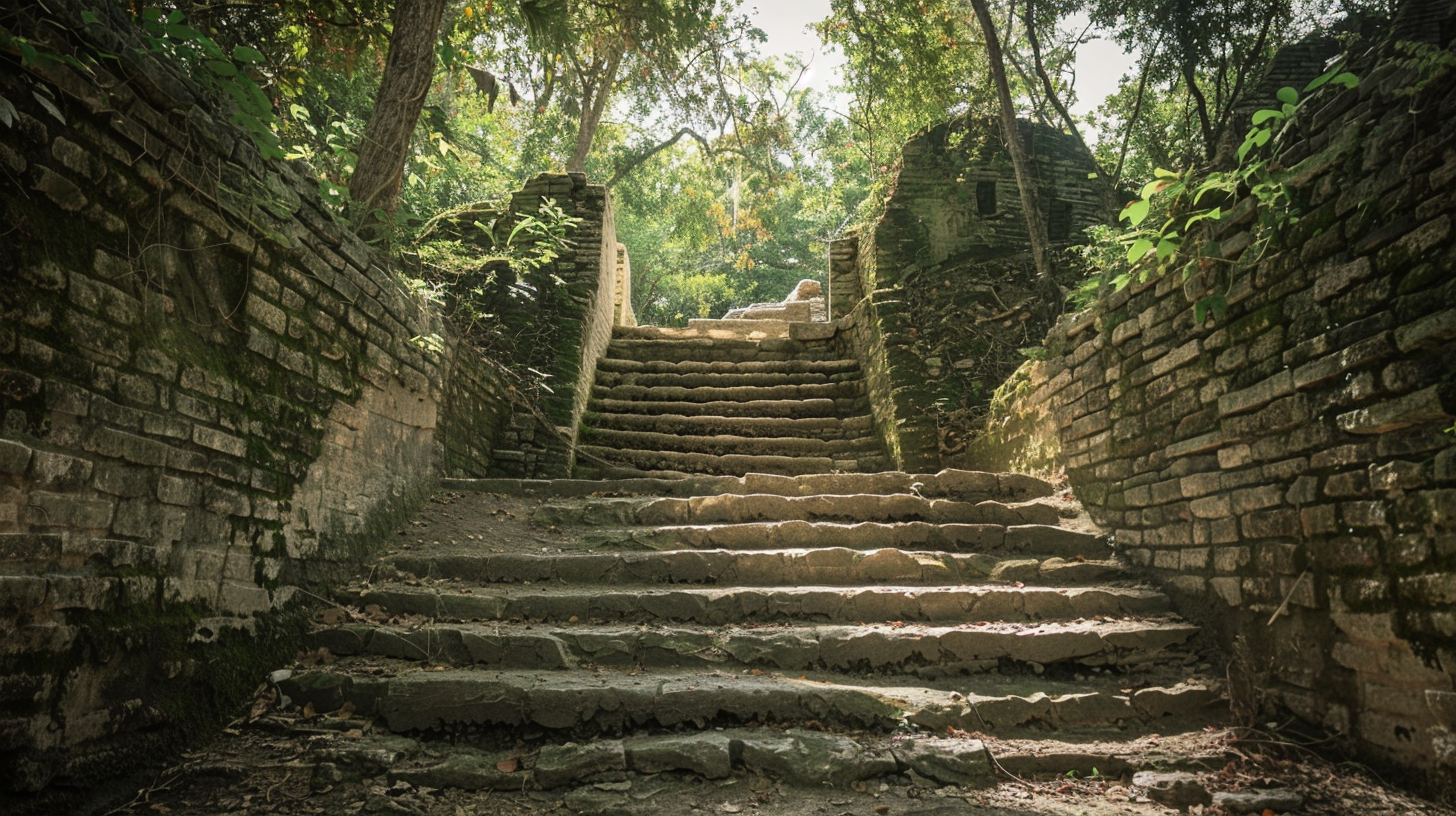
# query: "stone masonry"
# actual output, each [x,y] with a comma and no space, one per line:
[1289,467]
[210,391]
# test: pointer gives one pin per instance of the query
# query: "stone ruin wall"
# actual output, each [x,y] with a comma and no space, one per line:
[211,392]
[948,275]
[1297,452]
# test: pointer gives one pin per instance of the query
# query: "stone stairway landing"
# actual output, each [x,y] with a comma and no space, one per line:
[818,629]
[728,397]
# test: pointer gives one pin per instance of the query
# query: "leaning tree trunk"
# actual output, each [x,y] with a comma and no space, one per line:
[407,74]
[1035,225]
[593,105]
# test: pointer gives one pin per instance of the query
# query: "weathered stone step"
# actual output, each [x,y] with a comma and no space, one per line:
[718,606]
[713,329]
[949,483]
[607,379]
[712,350]
[825,367]
[796,756]
[1037,539]
[859,427]
[413,699]
[728,465]
[782,408]
[1203,749]
[967,648]
[834,566]
[738,509]
[840,392]
[704,441]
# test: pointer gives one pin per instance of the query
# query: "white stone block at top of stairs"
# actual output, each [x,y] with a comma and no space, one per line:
[739,329]
[791,310]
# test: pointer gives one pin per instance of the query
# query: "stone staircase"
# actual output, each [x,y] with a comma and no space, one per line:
[819,629]
[728,397]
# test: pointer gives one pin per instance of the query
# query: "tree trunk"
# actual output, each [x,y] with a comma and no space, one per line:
[593,104]
[407,75]
[1035,225]
[1104,182]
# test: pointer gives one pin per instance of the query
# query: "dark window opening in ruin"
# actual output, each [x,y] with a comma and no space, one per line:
[1059,220]
[986,197]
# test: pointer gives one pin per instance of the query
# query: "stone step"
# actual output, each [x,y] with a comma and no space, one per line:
[1039,539]
[410,698]
[608,379]
[1112,758]
[721,350]
[714,606]
[835,566]
[723,444]
[906,648]
[948,483]
[860,427]
[739,509]
[825,367]
[728,465]
[782,408]
[840,392]
[714,329]
[796,756]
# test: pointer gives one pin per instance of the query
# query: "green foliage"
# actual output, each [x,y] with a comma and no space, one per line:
[167,35]
[1170,223]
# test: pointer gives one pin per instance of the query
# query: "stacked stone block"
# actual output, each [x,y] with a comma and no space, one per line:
[1290,465]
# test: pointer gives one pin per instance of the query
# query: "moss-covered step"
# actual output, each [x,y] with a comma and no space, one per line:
[833,566]
[899,647]
[740,508]
[409,698]
[717,606]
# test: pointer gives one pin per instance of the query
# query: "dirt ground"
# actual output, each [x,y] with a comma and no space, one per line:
[256,772]
[269,766]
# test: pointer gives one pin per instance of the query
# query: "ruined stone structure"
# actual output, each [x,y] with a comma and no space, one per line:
[211,390]
[1288,468]
[939,292]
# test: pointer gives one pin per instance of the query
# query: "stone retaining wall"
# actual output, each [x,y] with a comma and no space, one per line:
[1289,468]
[211,392]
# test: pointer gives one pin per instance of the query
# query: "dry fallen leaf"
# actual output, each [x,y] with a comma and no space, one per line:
[508,765]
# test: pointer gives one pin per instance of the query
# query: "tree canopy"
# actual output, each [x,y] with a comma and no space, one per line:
[729,175]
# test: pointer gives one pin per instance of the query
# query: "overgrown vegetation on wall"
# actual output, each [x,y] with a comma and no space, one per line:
[1286,462]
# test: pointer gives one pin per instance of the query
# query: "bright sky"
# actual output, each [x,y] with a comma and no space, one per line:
[1100,64]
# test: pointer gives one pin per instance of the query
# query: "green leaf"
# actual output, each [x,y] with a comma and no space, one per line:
[49,106]
[1165,248]
[1217,304]
[1208,215]
[1139,248]
[1346,79]
[175,17]
[244,53]
[89,17]
[1262,116]
[1161,173]
[222,68]
[1287,95]
[1135,212]
[151,15]
[1245,148]
[1151,188]
[182,32]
